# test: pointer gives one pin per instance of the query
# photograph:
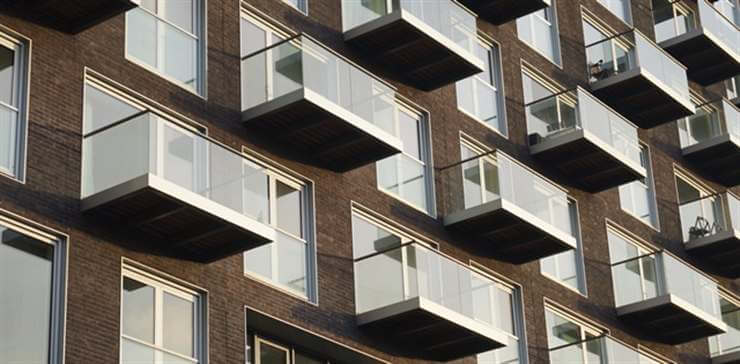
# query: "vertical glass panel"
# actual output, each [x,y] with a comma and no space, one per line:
[387,171]
[25,298]
[256,182]
[272,355]
[367,238]
[378,281]
[8,70]
[178,324]
[179,156]
[9,139]
[291,262]
[472,180]
[102,109]
[504,309]
[181,13]
[254,69]
[409,131]
[289,209]
[482,300]
[135,353]
[413,187]
[259,260]
[663,17]
[730,341]
[180,55]
[562,332]
[356,12]
[138,310]
[141,36]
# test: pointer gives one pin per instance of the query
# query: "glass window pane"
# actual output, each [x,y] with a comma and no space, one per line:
[272,355]
[181,13]
[256,185]
[291,262]
[179,157]
[102,109]
[413,188]
[25,298]
[367,238]
[138,310]
[387,170]
[178,321]
[259,260]
[409,133]
[289,209]
[378,281]
[9,140]
[7,76]
[180,56]
[141,36]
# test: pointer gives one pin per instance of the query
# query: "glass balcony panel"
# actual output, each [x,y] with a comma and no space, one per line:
[543,118]
[684,282]
[721,27]
[730,341]
[379,281]
[662,66]
[356,12]
[702,218]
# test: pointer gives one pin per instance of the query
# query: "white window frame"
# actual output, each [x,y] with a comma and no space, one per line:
[585,328]
[200,35]
[21,47]
[551,13]
[424,149]
[58,304]
[650,187]
[495,83]
[162,285]
[275,174]
[579,264]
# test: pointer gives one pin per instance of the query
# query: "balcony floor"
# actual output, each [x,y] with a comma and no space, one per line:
[671,320]
[306,127]
[586,161]
[503,11]
[718,158]
[178,223]
[640,100]
[426,330]
[414,52]
[720,251]
[71,16]
[510,233]
[707,62]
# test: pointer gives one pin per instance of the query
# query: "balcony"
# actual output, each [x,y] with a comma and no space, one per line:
[711,231]
[584,140]
[710,50]
[725,348]
[666,298]
[427,44]
[189,195]
[597,349]
[317,107]
[638,79]
[503,11]
[711,140]
[67,16]
[429,305]
[518,215]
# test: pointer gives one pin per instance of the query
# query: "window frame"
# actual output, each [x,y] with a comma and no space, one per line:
[425,150]
[277,173]
[551,12]
[496,83]
[200,24]
[652,193]
[22,49]
[165,284]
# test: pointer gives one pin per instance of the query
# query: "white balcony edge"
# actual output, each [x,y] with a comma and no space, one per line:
[712,239]
[435,309]
[710,143]
[181,194]
[699,32]
[504,204]
[667,299]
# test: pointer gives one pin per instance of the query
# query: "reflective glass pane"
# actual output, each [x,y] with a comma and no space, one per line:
[378,281]
[413,187]
[259,260]
[369,238]
[138,310]
[178,324]
[141,36]
[102,109]
[9,140]
[272,355]
[135,353]
[289,209]
[179,157]
[256,185]
[291,262]
[180,56]
[181,13]
[7,76]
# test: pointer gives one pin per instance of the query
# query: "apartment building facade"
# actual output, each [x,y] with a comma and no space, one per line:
[370,181]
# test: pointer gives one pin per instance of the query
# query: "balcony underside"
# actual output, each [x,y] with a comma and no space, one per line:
[640,100]
[422,329]
[720,251]
[422,58]
[730,358]
[502,11]
[718,158]
[306,131]
[584,163]
[671,320]
[706,61]
[182,229]
[71,16]
[508,232]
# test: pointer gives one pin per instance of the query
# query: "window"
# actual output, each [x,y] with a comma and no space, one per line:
[606,58]
[540,31]
[160,321]
[300,5]
[407,175]
[638,197]
[269,352]
[31,295]
[167,37]
[634,273]
[568,267]
[546,117]
[13,90]
[288,262]
[515,352]
[703,125]
[620,8]
[728,342]
[480,176]
[699,207]
[672,19]
[481,95]
[571,341]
